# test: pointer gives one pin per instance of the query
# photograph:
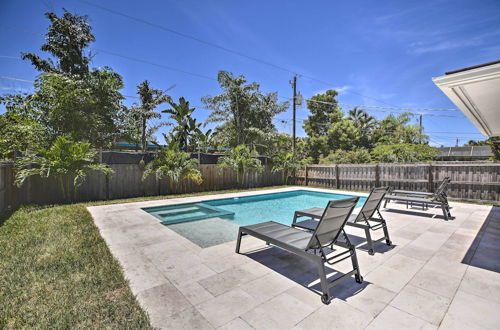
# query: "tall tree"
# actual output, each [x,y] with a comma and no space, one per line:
[365,124]
[66,40]
[71,99]
[150,99]
[343,135]
[86,108]
[186,126]
[244,111]
[361,119]
[397,129]
[324,111]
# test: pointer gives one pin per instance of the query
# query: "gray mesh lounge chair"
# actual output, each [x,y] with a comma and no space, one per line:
[369,218]
[312,245]
[442,186]
[438,198]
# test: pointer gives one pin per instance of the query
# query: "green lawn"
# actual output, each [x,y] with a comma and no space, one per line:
[57,272]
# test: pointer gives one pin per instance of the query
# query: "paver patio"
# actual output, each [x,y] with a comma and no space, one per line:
[439,273]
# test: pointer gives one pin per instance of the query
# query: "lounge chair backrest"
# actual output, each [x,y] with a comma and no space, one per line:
[443,185]
[331,223]
[372,203]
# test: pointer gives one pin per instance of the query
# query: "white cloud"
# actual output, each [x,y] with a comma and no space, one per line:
[421,47]
[340,89]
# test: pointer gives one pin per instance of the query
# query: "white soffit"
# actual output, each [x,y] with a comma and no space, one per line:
[477,93]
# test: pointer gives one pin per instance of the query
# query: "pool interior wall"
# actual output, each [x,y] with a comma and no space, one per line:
[216,221]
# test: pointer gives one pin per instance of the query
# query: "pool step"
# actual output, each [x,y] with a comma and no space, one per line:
[183,213]
[177,212]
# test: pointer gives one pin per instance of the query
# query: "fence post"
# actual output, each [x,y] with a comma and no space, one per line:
[337,176]
[106,187]
[431,184]
[307,175]
[377,175]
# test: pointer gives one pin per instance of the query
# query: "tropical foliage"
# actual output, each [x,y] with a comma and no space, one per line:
[76,104]
[241,159]
[145,111]
[172,164]
[186,128]
[325,111]
[66,40]
[347,157]
[19,130]
[66,161]
[286,163]
[245,113]
[358,137]
[86,108]
[404,153]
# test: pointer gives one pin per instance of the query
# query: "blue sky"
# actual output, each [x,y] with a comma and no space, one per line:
[376,53]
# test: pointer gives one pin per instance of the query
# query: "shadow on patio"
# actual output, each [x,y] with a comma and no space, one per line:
[305,272]
[484,251]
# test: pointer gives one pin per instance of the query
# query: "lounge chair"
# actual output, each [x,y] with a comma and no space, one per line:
[312,245]
[366,219]
[438,198]
[442,187]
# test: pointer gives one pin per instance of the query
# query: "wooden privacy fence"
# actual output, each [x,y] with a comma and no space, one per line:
[124,183]
[473,181]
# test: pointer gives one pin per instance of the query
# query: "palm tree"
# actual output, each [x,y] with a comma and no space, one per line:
[174,165]
[186,125]
[241,159]
[150,99]
[361,119]
[64,160]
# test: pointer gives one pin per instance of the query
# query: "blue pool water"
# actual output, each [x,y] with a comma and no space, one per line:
[216,221]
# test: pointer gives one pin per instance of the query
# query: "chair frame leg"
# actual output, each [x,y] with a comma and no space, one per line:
[369,241]
[238,242]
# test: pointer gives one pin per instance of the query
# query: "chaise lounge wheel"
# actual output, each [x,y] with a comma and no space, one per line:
[359,278]
[371,252]
[325,299]
[389,242]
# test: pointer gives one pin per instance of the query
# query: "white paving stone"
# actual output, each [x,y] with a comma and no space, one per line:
[437,273]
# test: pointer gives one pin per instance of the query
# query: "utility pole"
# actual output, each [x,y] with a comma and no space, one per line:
[294,107]
[421,130]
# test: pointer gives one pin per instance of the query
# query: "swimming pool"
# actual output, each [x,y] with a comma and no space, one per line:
[216,221]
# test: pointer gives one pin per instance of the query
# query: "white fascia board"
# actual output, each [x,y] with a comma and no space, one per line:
[477,93]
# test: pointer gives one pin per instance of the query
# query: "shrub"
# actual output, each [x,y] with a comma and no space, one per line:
[340,156]
[404,153]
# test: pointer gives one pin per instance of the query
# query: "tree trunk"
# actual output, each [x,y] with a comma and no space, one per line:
[143,135]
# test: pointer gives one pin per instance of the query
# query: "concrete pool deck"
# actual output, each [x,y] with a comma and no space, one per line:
[439,273]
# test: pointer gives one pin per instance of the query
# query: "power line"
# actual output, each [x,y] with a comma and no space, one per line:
[379,107]
[31,81]
[135,59]
[223,48]
[130,58]
[16,79]
[184,35]
[456,133]
[385,109]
